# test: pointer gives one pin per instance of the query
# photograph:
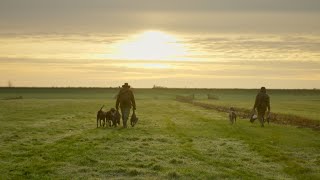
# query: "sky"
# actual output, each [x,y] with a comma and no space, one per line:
[171,43]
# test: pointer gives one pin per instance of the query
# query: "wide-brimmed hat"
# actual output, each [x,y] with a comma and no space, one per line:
[125,85]
[263,89]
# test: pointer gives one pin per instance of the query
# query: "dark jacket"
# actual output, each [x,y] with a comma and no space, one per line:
[262,102]
[126,99]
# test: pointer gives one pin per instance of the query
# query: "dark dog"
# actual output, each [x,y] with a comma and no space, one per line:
[101,117]
[117,117]
[232,115]
[113,117]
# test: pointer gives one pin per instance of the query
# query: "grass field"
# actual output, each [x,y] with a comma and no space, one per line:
[51,133]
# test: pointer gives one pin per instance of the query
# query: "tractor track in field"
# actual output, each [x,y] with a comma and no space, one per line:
[278,118]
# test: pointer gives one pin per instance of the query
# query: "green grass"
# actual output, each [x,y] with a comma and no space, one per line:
[304,104]
[50,135]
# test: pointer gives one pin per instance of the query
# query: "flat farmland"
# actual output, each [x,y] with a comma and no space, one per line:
[51,134]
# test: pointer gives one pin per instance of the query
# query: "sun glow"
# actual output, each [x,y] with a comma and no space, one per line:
[149,65]
[149,45]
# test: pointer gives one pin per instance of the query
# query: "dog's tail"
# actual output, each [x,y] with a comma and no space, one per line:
[101,107]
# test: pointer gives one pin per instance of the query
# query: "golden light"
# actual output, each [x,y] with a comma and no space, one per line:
[149,65]
[149,45]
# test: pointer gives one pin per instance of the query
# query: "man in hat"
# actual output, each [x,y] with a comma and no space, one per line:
[126,100]
[262,104]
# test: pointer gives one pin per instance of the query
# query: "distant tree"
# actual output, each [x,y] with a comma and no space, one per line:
[10,84]
[158,87]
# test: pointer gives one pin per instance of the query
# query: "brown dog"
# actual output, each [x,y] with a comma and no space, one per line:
[232,115]
[117,117]
[113,117]
[101,117]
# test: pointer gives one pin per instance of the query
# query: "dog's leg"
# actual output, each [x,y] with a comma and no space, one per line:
[114,122]
[230,118]
[97,122]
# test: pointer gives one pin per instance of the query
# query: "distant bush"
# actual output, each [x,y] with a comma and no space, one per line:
[185,98]
[214,97]
[12,98]
[158,87]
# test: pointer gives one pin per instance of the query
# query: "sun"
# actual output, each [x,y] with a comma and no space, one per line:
[149,45]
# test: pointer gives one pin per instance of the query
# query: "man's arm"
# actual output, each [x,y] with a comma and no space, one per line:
[117,102]
[268,104]
[133,101]
[256,103]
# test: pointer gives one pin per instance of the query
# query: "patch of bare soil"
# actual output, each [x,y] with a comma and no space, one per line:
[278,118]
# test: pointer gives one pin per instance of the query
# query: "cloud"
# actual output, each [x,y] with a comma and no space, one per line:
[214,47]
[116,69]
[72,6]
[272,47]
[176,15]
[216,58]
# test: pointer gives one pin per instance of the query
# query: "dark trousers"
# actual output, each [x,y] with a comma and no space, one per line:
[261,114]
[125,112]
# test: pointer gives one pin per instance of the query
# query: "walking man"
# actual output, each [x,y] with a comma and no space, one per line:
[262,104]
[126,100]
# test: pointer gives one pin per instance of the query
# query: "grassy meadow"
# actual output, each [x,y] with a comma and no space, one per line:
[51,134]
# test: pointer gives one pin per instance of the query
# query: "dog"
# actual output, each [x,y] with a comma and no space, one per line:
[134,119]
[101,117]
[232,115]
[117,117]
[113,117]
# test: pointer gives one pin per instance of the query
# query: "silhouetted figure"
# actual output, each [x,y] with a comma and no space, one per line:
[126,100]
[262,104]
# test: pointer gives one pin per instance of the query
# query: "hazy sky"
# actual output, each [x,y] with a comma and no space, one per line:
[174,43]
[92,16]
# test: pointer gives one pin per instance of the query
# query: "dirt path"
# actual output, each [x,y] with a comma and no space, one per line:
[278,118]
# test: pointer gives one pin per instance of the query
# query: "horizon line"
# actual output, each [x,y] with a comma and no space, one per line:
[97,87]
